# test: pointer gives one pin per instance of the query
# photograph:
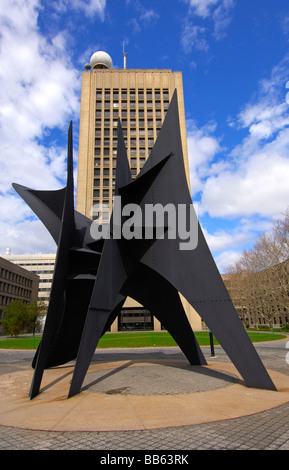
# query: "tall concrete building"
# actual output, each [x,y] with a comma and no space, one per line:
[140,98]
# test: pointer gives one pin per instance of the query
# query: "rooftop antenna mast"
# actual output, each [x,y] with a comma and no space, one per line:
[124,57]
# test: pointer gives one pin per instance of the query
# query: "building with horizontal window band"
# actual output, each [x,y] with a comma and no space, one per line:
[40,264]
[16,283]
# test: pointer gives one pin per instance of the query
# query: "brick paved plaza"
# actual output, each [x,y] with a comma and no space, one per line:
[266,430]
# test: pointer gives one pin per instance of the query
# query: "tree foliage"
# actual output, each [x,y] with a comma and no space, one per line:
[261,275]
[20,316]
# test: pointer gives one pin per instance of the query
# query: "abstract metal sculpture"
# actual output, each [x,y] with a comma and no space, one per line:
[92,278]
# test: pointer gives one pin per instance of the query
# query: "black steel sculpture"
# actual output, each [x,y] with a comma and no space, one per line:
[92,277]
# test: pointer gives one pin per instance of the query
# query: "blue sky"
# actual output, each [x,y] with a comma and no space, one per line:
[234,55]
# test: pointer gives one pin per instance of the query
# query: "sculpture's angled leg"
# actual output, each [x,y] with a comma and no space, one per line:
[95,325]
[157,295]
[57,296]
[65,343]
[115,313]
[222,319]
[105,297]
[42,352]
[196,277]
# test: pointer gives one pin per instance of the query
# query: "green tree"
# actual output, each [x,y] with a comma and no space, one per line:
[262,273]
[35,312]
[20,316]
[15,317]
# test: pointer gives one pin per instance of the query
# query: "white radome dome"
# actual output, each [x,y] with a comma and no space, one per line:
[101,60]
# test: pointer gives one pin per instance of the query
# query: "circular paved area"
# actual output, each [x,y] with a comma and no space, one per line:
[172,378]
[134,395]
[230,417]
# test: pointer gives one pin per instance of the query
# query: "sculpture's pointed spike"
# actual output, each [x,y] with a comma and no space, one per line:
[70,154]
[70,183]
[47,205]
[123,173]
[169,138]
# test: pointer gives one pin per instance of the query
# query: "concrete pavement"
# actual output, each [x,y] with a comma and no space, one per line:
[145,399]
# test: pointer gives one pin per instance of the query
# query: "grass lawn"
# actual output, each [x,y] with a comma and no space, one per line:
[136,340]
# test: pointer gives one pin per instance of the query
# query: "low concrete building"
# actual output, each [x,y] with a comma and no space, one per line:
[41,264]
[16,283]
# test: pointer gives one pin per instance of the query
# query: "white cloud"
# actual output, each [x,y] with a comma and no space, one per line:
[227,243]
[215,16]
[39,91]
[89,7]
[264,119]
[226,259]
[257,186]
[10,207]
[145,17]
[134,24]
[254,179]
[268,114]
[219,240]
[25,234]
[222,17]
[227,239]
[19,231]
[202,149]
[193,36]
[202,7]
[247,185]
[38,84]
[149,16]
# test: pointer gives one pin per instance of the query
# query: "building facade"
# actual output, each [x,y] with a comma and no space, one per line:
[40,264]
[16,283]
[140,99]
[260,299]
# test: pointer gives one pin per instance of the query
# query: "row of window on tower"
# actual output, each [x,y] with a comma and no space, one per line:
[133,93]
[142,113]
